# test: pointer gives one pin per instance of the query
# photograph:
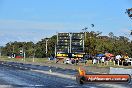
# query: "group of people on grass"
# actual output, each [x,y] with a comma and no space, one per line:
[98,58]
[106,58]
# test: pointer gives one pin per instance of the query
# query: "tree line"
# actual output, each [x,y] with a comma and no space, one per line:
[94,44]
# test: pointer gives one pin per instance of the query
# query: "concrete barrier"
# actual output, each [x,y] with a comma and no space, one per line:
[120,71]
[97,69]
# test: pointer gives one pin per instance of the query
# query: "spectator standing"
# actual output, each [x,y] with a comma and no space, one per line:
[118,57]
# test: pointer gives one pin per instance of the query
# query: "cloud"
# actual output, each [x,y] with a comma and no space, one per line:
[21,36]
[19,30]
[19,24]
[45,26]
[125,31]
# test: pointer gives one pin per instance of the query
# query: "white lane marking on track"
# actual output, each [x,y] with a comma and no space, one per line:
[35,85]
[6,86]
[71,86]
[92,87]
[56,74]
[75,86]
[38,85]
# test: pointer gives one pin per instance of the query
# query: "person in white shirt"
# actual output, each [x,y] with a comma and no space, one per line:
[118,58]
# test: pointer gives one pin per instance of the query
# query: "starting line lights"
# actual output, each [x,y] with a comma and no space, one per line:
[82,78]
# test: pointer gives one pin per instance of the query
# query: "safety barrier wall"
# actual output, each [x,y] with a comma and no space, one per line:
[120,71]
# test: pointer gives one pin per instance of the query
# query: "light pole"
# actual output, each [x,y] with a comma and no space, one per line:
[55,53]
[33,54]
[84,37]
[55,49]
[131,35]
[0,51]
[57,39]
[12,50]
[70,42]
[85,30]
[24,54]
[46,40]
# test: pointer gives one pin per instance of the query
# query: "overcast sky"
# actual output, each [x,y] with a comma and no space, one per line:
[32,20]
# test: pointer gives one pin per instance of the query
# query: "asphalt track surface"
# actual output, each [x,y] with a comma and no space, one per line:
[18,75]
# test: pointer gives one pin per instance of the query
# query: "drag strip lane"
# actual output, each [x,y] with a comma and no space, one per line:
[16,77]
